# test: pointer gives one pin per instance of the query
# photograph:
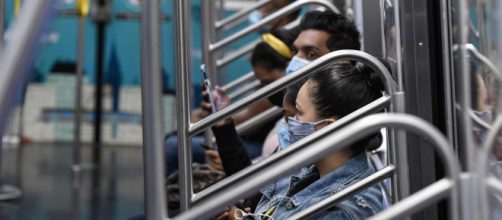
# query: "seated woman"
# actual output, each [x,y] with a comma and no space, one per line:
[327,96]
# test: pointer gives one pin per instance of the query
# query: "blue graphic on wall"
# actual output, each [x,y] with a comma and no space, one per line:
[122,45]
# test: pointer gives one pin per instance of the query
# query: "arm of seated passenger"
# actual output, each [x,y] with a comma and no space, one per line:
[252,111]
[231,148]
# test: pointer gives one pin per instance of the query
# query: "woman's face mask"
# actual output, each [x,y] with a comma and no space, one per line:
[256,16]
[299,129]
[296,63]
[283,134]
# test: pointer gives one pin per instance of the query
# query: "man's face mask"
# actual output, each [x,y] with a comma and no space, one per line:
[283,134]
[296,63]
[299,129]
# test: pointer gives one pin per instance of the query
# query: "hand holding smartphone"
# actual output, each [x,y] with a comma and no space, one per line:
[207,85]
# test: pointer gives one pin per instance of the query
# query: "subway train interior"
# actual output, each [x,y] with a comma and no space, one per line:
[250,109]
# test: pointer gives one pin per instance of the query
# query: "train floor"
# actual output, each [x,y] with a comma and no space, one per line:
[43,173]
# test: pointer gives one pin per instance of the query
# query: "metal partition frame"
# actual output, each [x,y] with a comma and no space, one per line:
[280,84]
[334,142]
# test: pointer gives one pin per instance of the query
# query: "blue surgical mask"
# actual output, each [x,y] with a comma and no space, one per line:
[255,16]
[283,134]
[296,63]
[299,129]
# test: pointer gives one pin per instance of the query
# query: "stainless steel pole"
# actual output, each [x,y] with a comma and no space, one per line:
[182,41]
[76,166]
[151,97]
[209,36]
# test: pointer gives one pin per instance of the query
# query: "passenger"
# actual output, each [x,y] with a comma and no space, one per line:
[321,33]
[269,60]
[326,97]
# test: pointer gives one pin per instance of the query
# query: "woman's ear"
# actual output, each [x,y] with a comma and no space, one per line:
[328,121]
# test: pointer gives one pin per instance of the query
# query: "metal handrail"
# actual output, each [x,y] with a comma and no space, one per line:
[478,120]
[422,199]
[346,193]
[247,77]
[244,89]
[372,107]
[483,162]
[272,17]
[259,119]
[304,72]
[182,18]
[228,21]
[332,143]
[237,54]
[474,51]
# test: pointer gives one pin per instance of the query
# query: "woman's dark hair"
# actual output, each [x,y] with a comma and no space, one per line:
[340,89]
[343,33]
[265,56]
[292,92]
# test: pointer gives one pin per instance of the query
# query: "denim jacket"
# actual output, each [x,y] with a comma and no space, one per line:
[359,206]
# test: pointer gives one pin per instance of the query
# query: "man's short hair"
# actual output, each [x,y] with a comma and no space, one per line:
[343,33]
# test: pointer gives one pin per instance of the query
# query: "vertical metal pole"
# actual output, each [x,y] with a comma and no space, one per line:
[76,167]
[209,35]
[467,142]
[20,51]
[151,98]
[182,40]
[400,106]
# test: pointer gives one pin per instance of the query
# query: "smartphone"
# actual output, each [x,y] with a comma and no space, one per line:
[207,84]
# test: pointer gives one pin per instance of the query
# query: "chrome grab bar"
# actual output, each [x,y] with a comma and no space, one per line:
[316,65]
[372,107]
[244,89]
[485,60]
[272,17]
[346,193]
[237,54]
[277,167]
[247,77]
[259,119]
[228,21]
[483,157]
[421,199]
[182,36]
[153,153]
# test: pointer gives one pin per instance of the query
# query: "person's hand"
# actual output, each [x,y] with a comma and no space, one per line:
[228,214]
[214,160]
[221,98]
